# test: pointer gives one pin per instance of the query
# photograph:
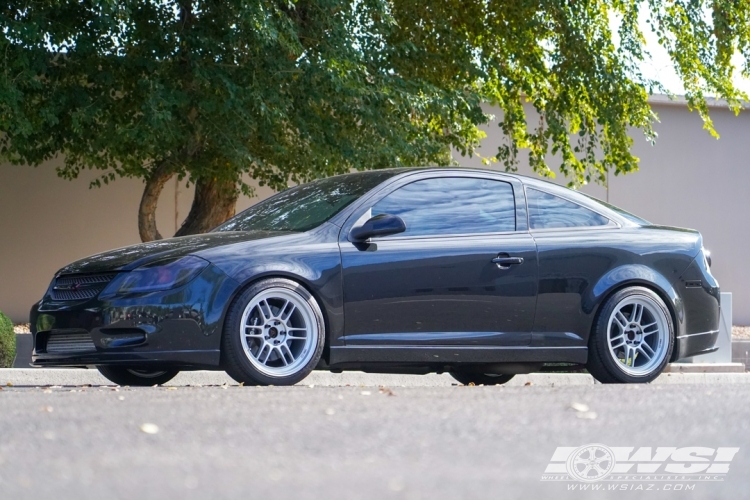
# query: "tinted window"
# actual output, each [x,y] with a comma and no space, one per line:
[624,213]
[452,205]
[304,207]
[549,211]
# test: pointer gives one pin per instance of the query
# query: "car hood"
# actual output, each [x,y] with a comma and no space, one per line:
[128,258]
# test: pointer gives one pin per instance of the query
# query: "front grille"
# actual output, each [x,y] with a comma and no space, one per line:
[76,341]
[80,286]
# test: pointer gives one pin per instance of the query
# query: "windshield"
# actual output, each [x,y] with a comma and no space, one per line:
[304,207]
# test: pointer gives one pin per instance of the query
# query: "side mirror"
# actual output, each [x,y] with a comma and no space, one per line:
[380,225]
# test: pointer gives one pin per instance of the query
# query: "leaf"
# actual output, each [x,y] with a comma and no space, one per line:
[149,428]
[579,407]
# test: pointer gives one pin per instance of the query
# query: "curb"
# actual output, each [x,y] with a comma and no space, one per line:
[705,368]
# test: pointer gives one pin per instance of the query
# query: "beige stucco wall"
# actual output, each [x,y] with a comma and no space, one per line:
[47,222]
[687,179]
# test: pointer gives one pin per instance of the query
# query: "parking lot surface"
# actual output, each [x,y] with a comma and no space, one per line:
[429,440]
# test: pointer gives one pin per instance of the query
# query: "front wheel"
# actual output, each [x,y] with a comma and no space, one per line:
[481,378]
[632,339]
[137,377]
[273,335]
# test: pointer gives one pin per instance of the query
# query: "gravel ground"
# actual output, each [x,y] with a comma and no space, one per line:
[21,328]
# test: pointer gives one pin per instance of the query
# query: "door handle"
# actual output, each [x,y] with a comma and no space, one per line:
[506,262]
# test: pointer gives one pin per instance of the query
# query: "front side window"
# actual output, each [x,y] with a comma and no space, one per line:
[547,211]
[452,205]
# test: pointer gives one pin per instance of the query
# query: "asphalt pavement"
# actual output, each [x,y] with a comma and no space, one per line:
[413,438]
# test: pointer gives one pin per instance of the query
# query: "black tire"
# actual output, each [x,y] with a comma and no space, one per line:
[601,363]
[234,358]
[482,378]
[137,376]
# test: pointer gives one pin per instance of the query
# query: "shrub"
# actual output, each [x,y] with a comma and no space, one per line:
[7,342]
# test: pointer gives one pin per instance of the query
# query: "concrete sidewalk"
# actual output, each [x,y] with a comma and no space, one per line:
[36,377]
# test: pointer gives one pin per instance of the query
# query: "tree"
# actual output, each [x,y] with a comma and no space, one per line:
[288,91]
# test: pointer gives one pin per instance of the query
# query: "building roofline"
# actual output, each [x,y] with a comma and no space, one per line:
[681,101]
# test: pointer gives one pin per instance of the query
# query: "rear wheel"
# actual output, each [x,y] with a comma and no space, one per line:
[273,335]
[136,376]
[481,378]
[633,338]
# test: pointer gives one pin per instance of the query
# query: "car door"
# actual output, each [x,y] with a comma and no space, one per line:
[574,248]
[463,273]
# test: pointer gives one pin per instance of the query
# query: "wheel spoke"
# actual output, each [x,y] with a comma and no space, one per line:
[643,351]
[637,313]
[293,336]
[650,353]
[280,313]
[621,320]
[629,356]
[258,329]
[619,337]
[285,351]
[284,316]
[264,359]
[281,355]
[650,325]
[266,315]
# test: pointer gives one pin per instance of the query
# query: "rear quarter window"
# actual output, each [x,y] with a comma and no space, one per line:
[547,211]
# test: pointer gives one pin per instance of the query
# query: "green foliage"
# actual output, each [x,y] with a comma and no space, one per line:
[7,342]
[294,90]
[283,91]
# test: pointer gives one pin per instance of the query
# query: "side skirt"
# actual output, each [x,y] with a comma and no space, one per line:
[345,355]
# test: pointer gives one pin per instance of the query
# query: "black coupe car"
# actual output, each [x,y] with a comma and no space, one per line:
[477,273]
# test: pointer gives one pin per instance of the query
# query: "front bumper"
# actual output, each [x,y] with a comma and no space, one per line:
[179,328]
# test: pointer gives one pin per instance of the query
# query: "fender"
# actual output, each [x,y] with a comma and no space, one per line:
[634,275]
[312,259]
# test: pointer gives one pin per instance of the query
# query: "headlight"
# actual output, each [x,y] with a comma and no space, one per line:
[160,275]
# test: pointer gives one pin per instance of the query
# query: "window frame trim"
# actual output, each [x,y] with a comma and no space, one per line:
[516,185]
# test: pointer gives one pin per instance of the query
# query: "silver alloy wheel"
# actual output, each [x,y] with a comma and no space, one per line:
[146,373]
[638,335]
[279,332]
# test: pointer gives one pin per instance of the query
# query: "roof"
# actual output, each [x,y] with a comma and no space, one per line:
[681,101]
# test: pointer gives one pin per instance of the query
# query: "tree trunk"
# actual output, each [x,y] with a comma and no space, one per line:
[214,202]
[147,209]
